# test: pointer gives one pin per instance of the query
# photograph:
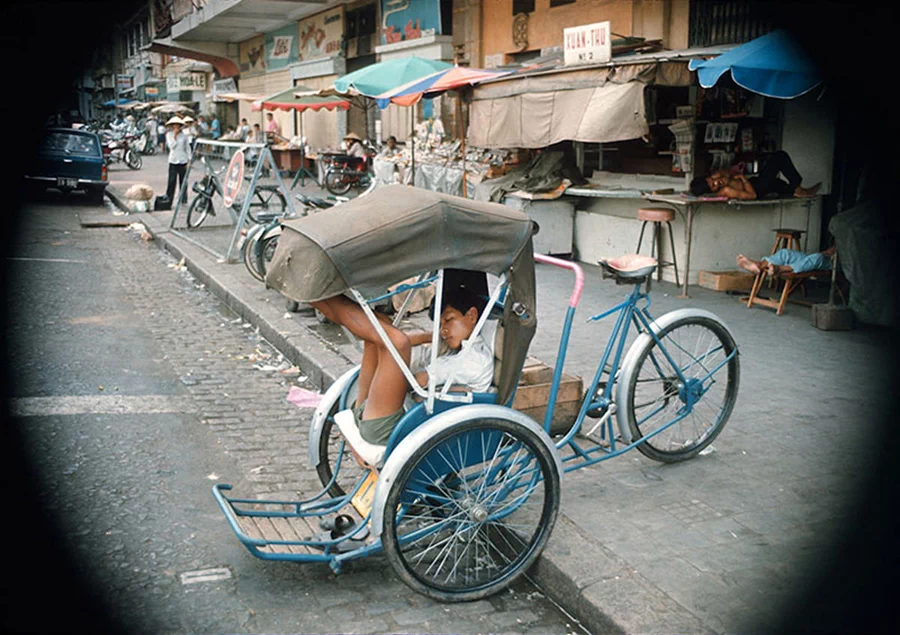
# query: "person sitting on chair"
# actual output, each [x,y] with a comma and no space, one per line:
[355,147]
[738,186]
[382,386]
[788,261]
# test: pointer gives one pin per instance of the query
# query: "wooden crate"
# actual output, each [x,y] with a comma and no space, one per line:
[726,280]
[533,394]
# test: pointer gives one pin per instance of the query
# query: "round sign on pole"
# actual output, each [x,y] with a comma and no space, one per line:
[235,178]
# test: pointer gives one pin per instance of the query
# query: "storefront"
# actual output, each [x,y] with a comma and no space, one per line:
[624,142]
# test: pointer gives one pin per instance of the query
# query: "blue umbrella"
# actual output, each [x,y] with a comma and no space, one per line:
[773,65]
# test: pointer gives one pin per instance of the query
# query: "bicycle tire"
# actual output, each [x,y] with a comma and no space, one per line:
[248,251]
[266,198]
[643,401]
[439,491]
[265,249]
[198,210]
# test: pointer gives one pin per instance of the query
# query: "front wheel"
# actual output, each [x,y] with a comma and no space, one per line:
[198,210]
[337,183]
[133,159]
[686,410]
[475,505]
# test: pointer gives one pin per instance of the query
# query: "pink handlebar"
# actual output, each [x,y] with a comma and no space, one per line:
[565,264]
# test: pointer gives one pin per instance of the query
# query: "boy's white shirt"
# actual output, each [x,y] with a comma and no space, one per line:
[472,366]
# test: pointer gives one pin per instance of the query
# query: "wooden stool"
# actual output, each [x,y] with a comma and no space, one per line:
[786,239]
[658,216]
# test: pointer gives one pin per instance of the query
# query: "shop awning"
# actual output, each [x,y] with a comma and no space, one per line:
[224,66]
[231,97]
[601,114]
[287,100]
[773,65]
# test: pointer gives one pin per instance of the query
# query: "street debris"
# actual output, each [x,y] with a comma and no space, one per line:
[179,266]
[707,450]
[212,477]
[303,398]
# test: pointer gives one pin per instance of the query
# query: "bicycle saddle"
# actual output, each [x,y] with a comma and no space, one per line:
[630,266]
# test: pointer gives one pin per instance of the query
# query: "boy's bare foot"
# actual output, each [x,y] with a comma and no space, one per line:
[749,265]
[807,192]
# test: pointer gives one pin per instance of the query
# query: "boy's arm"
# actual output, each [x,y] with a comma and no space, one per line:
[423,337]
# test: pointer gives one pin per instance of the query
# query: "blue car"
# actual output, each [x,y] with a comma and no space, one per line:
[68,160]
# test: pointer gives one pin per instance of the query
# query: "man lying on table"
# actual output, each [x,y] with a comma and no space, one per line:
[738,186]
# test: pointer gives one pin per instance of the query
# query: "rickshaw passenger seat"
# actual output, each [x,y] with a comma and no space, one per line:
[368,452]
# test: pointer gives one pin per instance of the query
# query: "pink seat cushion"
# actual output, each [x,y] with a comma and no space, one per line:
[656,214]
[631,262]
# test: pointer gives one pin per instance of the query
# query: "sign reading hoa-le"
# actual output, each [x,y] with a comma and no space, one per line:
[587,44]
[186,81]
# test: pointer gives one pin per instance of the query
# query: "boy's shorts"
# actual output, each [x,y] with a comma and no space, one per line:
[376,431]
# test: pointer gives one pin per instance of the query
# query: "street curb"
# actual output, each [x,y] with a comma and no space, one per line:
[581,575]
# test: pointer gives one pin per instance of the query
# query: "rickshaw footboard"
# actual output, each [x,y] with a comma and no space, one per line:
[276,530]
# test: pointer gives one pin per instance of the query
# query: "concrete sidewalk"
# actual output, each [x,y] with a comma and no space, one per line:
[721,543]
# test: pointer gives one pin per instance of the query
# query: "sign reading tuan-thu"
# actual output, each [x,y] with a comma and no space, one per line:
[587,44]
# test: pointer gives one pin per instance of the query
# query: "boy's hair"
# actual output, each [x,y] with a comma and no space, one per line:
[462,299]
[699,186]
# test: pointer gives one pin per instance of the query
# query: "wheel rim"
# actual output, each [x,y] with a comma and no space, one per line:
[334,453]
[701,404]
[199,213]
[462,528]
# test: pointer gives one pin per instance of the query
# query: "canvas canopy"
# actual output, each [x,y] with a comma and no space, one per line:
[397,232]
[602,114]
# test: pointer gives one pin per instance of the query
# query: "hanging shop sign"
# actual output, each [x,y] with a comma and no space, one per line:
[186,81]
[151,91]
[321,35]
[403,20]
[252,56]
[587,44]
[125,81]
[234,180]
[281,47]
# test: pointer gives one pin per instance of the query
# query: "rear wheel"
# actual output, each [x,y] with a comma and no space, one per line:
[475,506]
[198,210]
[265,250]
[700,405]
[266,200]
[133,159]
[337,183]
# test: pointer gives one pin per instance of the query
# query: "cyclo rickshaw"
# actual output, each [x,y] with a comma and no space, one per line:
[463,497]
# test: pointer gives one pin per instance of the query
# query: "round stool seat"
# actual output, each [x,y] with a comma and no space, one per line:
[793,233]
[656,214]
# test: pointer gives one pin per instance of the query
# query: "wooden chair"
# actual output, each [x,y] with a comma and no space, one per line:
[791,282]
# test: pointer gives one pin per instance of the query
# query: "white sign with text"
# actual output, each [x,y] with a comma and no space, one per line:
[587,44]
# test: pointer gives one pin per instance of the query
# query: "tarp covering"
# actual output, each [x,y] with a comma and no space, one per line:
[867,255]
[612,112]
[397,232]
[224,66]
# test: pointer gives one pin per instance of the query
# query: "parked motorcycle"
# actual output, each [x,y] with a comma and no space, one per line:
[118,149]
[345,172]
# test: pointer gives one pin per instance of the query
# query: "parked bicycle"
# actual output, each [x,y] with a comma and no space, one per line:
[265,198]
